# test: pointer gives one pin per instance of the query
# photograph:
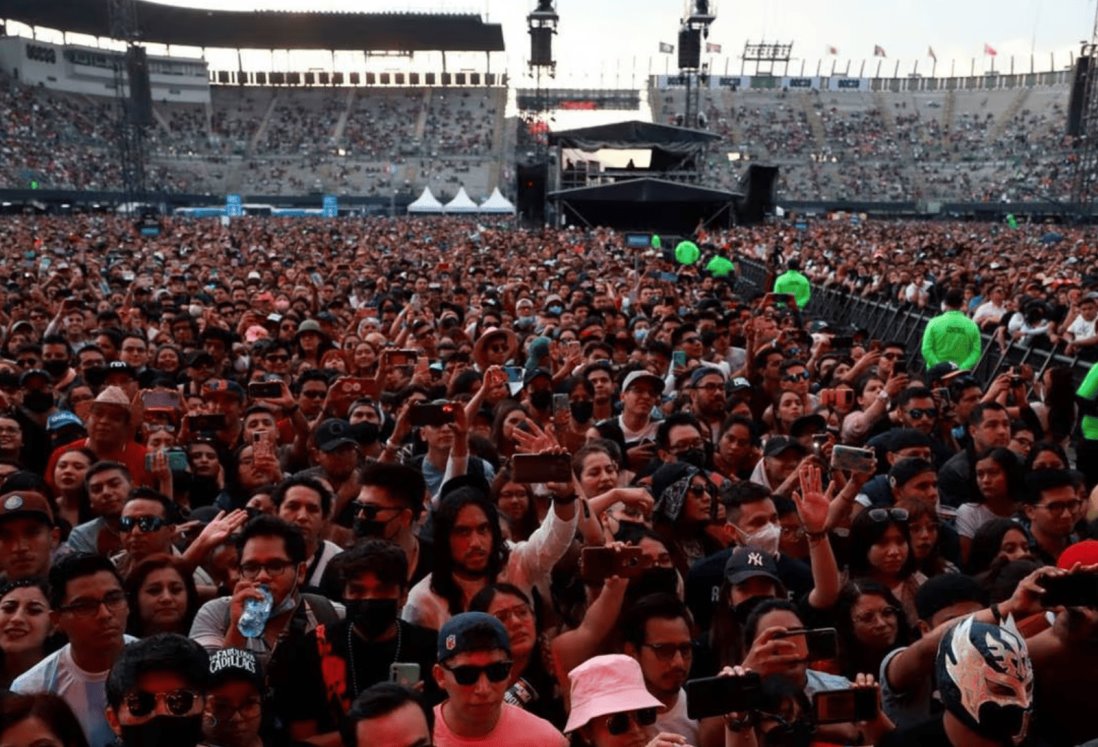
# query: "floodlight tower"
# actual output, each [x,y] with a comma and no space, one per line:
[132,94]
[542,25]
[698,16]
[1083,126]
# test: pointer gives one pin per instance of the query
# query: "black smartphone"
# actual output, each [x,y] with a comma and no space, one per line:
[817,644]
[206,423]
[264,389]
[1072,590]
[541,468]
[716,696]
[943,396]
[847,706]
[431,414]
[600,563]
[842,342]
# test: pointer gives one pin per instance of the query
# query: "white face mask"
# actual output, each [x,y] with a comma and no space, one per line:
[765,539]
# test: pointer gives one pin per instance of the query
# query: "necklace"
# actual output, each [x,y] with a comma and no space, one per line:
[351,655]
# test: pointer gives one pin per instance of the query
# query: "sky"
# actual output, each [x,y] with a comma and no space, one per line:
[606,43]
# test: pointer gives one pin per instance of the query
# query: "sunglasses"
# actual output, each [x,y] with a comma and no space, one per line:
[881,515]
[144,523]
[618,723]
[179,702]
[917,414]
[369,511]
[470,675]
[803,375]
[667,651]
[697,490]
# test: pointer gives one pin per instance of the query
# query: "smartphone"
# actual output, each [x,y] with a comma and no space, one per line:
[817,644]
[205,423]
[403,357]
[846,706]
[819,440]
[431,414]
[177,460]
[404,673]
[156,399]
[356,387]
[600,563]
[1072,590]
[71,303]
[542,468]
[561,404]
[678,359]
[842,342]
[316,279]
[264,389]
[514,374]
[668,277]
[852,459]
[716,696]
[942,395]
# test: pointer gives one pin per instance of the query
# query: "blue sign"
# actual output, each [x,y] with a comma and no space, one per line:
[234,206]
[330,207]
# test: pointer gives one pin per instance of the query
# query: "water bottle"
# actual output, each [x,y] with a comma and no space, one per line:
[256,612]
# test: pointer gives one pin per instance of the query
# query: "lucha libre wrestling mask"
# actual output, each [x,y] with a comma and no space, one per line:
[986,680]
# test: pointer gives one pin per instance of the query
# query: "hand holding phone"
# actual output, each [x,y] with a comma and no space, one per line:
[600,563]
[546,468]
[853,459]
[717,696]
[854,705]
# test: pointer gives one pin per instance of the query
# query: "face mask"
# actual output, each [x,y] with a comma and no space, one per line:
[56,368]
[370,528]
[372,616]
[555,309]
[581,411]
[38,401]
[640,334]
[696,457]
[541,400]
[765,539]
[164,731]
[524,321]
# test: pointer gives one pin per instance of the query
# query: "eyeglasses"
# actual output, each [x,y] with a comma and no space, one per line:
[881,515]
[1059,507]
[278,358]
[179,702]
[112,600]
[891,356]
[712,386]
[145,523]
[314,394]
[519,613]
[917,414]
[224,711]
[370,510]
[667,651]
[698,490]
[27,362]
[273,567]
[470,675]
[802,376]
[618,723]
[793,532]
[886,614]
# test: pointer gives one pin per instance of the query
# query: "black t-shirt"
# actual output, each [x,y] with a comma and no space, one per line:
[704,579]
[305,696]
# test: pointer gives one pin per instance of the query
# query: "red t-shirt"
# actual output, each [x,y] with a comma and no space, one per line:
[132,455]
[516,728]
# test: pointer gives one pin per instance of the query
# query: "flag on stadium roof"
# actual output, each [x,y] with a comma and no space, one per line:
[989,50]
[712,48]
[879,51]
[930,54]
[666,48]
[832,50]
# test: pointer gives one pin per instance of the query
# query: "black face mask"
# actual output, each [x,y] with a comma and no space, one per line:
[370,528]
[696,457]
[164,731]
[581,411]
[541,399]
[372,616]
[56,368]
[38,400]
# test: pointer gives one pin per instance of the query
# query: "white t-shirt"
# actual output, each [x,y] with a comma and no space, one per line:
[988,310]
[675,721]
[85,692]
[972,516]
[1081,329]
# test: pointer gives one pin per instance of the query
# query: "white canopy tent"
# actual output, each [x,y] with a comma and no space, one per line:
[426,203]
[497,203]
[461,203]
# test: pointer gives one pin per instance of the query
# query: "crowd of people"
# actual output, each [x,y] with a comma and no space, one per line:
[428,481]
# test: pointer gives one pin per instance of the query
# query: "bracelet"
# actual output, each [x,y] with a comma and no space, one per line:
[996,614]
[390,447]
[816,536]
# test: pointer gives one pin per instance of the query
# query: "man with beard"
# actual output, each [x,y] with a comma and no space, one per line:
[156,692]
[307,502]
[35,407]
[707,399]
[89,607]
[333,664]
[388,507]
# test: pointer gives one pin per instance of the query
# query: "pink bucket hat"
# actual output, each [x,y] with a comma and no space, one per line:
[607,684]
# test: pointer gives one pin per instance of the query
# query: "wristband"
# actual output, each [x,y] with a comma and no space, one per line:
[996,614]
[816,536]
[389,446]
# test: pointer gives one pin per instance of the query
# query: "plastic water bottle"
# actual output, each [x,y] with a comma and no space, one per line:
[256,612]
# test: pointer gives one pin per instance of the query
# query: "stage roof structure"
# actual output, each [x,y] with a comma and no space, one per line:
[634,134]
[647,204]
[166,24]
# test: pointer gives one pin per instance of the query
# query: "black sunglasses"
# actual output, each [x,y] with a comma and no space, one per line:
[369,511]
[881,515]
[179,702]
[618,723]
[470,675]
[145,523]
[917,414]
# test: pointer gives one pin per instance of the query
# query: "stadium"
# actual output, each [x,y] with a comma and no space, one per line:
[367,381]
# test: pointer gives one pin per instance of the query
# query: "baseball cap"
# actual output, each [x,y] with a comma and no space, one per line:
[116,367]
[62,419]
[807,425]
[334,433]
[1085,552]
[747,562]
[234,664]
[701,372]
[907,469]
[223,386]
[471,631]
[637,376]
[602,685]
[778,445]
[537,373]
[906,438]
[738,384]
[942,371]
[26,376]
[25,503]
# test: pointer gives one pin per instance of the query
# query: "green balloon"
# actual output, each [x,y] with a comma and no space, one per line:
[656,241]
[687,253]
[720,267]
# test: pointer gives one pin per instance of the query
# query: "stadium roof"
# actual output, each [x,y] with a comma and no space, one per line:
[195,27]
[634,134]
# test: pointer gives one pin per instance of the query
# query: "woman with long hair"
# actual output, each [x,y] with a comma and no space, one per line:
[737,450]
[162,597]
[1000,483]
[24,627]
[879,549]
[926,537]
[870,622]
[73,507]
[39,719]
[518,507]
[509,415]
[998,541]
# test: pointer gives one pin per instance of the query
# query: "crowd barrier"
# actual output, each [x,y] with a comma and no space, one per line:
[891,321]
